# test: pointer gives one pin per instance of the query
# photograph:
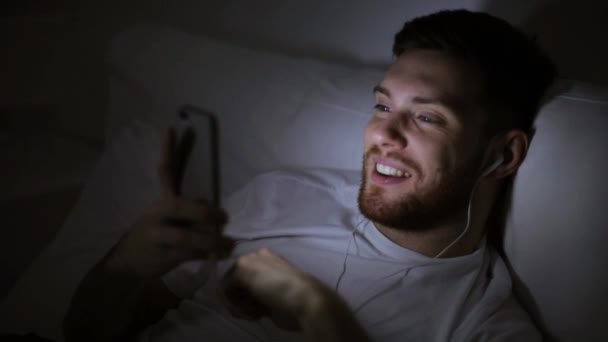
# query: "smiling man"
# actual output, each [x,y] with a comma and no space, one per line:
[397,254]
[452,122]
[426,149]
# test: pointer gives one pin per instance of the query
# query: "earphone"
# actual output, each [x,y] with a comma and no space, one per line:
[494,165]
[486,172]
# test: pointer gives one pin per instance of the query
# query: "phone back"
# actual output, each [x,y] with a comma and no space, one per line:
[197,153]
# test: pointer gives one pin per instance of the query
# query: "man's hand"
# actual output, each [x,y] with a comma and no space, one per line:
[124,293]
[262,283]
[265,284]
[174,230]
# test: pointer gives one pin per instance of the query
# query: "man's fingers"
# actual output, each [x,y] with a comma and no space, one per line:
[166,166]
[216,245]
[195,244]
[186,213]
[244,306]
[239,301]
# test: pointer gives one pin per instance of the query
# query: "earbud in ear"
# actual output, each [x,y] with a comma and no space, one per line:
[493,167]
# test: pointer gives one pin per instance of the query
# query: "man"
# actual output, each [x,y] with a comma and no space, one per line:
[452,123]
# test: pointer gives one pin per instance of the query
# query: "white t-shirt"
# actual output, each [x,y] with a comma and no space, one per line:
[311,218]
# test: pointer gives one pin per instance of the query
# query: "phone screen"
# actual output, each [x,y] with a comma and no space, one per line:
[197,152]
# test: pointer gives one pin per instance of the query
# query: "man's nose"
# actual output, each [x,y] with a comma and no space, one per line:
[392,133]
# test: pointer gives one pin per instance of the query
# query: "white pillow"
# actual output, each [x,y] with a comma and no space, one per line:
[556,230]
[274,111]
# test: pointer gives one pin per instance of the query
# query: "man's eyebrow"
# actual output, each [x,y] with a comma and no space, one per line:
[382,90]
[418,99]
[448,102]
[444,101]
[435,101]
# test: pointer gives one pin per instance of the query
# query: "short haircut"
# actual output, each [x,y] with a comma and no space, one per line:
[515,72]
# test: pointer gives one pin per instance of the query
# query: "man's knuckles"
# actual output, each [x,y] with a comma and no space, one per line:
[187,212]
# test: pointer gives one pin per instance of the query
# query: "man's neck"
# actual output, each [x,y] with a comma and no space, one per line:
[434,241]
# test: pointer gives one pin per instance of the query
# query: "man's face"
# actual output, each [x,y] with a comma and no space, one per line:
[423,146]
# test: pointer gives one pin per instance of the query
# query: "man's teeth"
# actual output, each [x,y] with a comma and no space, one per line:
[391,171]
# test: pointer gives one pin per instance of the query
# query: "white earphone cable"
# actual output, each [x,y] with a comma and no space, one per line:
[466,228]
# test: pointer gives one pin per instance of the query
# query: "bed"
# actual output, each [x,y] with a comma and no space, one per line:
[314,118]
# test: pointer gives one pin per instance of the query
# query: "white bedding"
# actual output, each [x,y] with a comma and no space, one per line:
[284,112]
[274,111]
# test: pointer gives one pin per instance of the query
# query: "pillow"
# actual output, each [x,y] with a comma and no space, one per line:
[274,111]
[556,229]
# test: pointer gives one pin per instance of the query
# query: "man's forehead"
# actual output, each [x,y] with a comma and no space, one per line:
[432,76]
[417,93]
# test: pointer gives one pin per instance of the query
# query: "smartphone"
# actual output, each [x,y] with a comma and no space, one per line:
[197,169]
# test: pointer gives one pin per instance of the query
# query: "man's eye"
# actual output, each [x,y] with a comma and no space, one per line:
[426,118]
[381,108]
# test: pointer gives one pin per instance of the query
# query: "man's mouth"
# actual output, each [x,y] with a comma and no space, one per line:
[385,174]
[391,171]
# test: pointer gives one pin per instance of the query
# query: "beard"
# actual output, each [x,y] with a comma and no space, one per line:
[444,203]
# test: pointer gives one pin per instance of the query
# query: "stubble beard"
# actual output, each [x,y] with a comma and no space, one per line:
[430,209]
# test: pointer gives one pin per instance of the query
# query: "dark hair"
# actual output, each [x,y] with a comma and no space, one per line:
[515,72]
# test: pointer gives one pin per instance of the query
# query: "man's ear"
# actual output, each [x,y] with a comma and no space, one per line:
[513,145]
